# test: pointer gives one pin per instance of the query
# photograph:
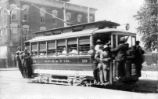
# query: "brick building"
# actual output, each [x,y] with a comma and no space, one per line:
[19,19]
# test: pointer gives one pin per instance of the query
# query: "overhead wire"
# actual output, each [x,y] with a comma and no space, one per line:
[51,14]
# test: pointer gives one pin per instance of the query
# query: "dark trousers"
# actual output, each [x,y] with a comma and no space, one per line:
[28,67]
[128,67]
[21,68]
[138,69]
[121,68]
[24,72]
[29,72]
[96,71]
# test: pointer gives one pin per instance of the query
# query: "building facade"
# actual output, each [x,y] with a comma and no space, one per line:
[19,19]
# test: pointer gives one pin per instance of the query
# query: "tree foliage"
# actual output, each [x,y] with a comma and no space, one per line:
[147,18]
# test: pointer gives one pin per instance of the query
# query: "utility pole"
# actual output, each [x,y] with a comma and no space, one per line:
[64,14]
[88,15]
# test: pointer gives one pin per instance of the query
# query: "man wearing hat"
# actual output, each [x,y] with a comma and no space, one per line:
[120,57]
[27,63]
[97,51]
[104,64]
[98,44]
[139,59]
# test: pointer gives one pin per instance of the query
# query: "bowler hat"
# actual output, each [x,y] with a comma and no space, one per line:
[98,41]
[122,39]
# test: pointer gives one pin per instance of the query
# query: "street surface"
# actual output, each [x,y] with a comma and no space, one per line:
[13,86]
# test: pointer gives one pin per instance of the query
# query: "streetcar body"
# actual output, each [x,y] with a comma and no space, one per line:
[49,60]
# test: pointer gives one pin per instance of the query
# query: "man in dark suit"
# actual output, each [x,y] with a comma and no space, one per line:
[27,63]
[139,58]
[120,57]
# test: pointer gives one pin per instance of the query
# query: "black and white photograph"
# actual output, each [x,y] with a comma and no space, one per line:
[78,49]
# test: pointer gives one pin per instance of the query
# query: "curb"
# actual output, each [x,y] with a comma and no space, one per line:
[8,69]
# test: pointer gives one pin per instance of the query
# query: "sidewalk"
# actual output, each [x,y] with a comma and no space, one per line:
[9,69]
[152,75]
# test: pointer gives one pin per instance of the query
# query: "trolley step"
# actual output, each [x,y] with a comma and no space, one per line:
[48,79]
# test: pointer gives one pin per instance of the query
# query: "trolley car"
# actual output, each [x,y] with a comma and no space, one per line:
[54,60]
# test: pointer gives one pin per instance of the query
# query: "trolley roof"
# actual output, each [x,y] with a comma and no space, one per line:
[83,26]
[79,34]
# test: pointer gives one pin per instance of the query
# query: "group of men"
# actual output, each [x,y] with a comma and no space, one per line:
[124,56]
[24,63]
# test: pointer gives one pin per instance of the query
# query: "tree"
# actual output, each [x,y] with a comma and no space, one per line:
[147,18]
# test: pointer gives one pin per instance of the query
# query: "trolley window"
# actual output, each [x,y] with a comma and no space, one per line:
[72,46]
[84,40]
[60,46]
[84,45]
[51,48]
[34,48]
[72,41]
[42,48]
[129,39]
[51,45]
[133,40]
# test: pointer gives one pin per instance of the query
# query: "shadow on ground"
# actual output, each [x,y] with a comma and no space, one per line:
[142,86]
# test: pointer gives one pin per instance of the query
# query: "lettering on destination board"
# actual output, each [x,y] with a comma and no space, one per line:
[61,61]
[57,61]
[84,61]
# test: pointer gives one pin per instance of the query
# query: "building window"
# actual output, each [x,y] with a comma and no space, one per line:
[42,14]
[54,16]
[42,28]
[14,15]
[25,31]
[54,13]
[25,12]
[42,20]
[68,16]
[14,28]
[13,12]
[79,18]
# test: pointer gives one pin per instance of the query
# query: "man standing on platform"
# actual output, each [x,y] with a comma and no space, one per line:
[27,63]
[121,57]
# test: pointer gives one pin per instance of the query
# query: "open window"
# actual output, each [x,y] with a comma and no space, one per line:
[72,46]
[42,48]
[84,45]
[51,48]
[60,46]
[34,48]
[103,37]
[129,39]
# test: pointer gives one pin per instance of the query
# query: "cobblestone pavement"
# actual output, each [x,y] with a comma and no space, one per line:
[13,86]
